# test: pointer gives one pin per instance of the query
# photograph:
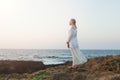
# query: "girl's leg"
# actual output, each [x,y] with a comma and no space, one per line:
[74,66]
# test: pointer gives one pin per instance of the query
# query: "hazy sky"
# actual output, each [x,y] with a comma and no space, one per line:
[43,24]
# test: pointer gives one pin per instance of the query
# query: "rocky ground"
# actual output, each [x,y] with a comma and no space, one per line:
[101,68]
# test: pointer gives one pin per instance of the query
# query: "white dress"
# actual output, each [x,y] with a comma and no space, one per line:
[78,56]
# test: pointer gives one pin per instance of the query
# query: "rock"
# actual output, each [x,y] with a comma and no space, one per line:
[79,77]
[61,76]
[8,67]
[68,63]
[116,77]
[100,68]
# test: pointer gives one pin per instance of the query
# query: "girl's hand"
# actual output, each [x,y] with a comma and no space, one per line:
[68,44]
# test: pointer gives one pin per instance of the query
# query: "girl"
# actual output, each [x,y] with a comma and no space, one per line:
[72,43]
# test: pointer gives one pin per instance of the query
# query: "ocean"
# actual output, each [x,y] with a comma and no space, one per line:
[50,56]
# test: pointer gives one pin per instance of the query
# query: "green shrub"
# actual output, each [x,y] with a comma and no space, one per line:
[41,76]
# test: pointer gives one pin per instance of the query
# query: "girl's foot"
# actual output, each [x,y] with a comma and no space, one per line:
[73,67]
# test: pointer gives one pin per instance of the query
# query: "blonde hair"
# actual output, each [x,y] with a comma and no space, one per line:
[74,21]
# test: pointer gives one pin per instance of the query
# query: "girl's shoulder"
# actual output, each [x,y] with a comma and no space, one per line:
[73,29]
